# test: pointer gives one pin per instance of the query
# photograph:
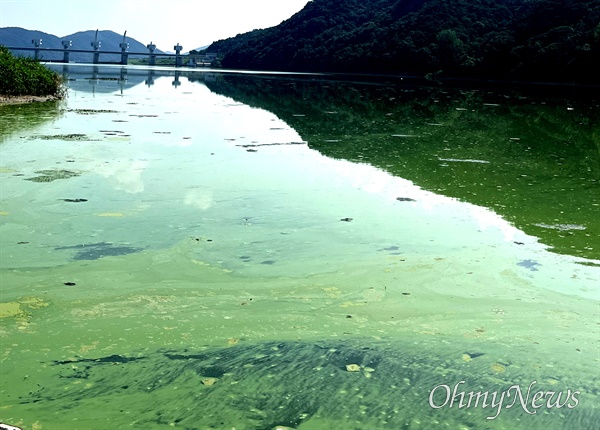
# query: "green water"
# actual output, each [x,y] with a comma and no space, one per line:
[161,232]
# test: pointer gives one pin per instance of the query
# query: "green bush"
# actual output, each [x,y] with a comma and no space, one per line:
[25,76]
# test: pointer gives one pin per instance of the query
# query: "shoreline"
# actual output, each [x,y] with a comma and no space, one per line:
[14,100]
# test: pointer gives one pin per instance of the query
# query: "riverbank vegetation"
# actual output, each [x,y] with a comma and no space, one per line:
[20,76]
[541,40]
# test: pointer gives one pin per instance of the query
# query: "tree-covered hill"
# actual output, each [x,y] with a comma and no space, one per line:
[545,40]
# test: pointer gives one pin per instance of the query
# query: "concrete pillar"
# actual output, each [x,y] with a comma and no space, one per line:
[124,58]
[96,45]
[37,43]
[66,45]
[151,49]
[124,54]
[178,59]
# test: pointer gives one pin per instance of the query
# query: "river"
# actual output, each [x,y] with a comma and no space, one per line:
[219,250]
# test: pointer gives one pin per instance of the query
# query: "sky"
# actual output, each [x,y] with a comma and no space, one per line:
[191,23]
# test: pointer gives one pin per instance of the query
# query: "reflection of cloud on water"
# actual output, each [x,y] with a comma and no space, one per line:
[376,181]
[486,218]
[200,199]
[126,176]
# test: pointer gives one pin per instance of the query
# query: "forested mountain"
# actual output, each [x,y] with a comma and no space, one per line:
[508,39]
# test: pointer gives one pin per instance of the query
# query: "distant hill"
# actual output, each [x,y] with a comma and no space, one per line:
[20,37]
[541,40]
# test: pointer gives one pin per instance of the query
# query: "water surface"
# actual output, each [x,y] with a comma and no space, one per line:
[200,250]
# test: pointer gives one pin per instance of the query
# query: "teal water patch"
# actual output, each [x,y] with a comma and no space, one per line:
[94,251]
[529,264]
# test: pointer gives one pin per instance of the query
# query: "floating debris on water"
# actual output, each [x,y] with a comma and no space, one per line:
[91,111]
[68,137]
[561,227]
[405,199]
[52,175]
[111,214]
[464,160]
[346,219]
[257,145]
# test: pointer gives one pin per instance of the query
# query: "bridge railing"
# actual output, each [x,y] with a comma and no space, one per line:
[38,54]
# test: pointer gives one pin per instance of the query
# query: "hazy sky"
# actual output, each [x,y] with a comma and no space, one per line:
[191,23]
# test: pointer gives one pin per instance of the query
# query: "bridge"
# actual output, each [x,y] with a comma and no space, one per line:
[194,60]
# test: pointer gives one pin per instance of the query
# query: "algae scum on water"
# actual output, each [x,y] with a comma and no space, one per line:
[260,252]
[339,385]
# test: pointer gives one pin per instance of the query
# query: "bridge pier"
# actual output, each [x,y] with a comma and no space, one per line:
[178,58]
[124,47]
[37,43]
[66,45]
[96,45]
[151,48]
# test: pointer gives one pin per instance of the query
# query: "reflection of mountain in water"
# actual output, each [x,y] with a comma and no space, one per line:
[14,118]
[533,159]
[100,79]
